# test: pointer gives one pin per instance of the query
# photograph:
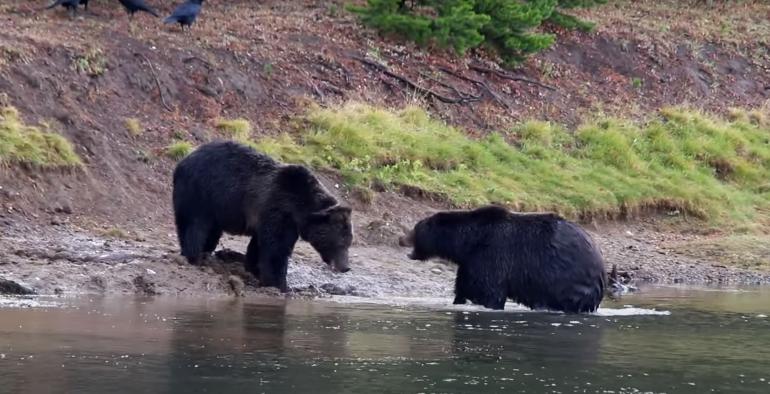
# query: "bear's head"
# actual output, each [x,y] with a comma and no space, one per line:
[330,232]
[419,240]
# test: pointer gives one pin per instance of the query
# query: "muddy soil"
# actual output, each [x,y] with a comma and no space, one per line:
[67,259]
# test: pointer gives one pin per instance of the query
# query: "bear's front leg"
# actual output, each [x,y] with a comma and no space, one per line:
[482,286]
[495,302]
[276,243]
[460,297]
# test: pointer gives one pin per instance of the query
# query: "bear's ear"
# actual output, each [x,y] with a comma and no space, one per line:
[294,178]
[341,211]
[333,213]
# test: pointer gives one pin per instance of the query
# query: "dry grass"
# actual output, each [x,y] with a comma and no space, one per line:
[743,251]
[134,127]
[91,62]
[115,232]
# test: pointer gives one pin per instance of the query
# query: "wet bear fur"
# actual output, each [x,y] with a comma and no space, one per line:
[228,187]
[541,261]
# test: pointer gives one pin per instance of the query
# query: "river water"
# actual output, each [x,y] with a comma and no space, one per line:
[661,340]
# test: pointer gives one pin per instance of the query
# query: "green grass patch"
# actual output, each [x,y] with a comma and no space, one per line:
[237,129]
[683,161]
[28,145]
[178,150]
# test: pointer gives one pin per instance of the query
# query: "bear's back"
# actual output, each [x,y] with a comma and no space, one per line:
[228,154]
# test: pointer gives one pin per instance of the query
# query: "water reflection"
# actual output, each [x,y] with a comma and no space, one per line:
[290,346]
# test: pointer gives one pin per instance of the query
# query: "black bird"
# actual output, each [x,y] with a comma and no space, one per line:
[70,5]
[186,13]
[133,6]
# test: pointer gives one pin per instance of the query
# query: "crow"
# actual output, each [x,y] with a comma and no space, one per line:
[132,6]
[70,5]
[186,13]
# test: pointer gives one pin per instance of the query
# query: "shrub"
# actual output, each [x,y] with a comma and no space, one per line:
[504,25]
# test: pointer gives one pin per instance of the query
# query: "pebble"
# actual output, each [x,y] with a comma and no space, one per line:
[236,285]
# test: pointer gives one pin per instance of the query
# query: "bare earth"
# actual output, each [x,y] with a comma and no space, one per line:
[68,259]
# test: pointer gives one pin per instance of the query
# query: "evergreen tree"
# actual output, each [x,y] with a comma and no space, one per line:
[510,30]
[507,26]
[570,22]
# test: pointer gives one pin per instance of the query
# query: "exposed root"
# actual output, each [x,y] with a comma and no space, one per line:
[483,86]
[412,85]
[504,75]
[467,96]
[157,82]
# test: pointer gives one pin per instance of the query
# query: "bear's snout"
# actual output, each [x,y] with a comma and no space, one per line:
[340,263]
[343,269]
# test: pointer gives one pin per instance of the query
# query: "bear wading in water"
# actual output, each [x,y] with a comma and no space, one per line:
[229,187]
[541,261]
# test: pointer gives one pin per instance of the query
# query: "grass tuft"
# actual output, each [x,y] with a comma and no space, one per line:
[178,150]
[683,162]
[237,129]
[92,62]
[134,127]
[28,145]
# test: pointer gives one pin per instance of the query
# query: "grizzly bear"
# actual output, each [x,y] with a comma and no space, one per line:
[229,187]
[541,261]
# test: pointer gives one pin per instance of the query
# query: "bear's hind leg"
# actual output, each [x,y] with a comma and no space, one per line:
[252,256]
[193,239]
[212,239]
[496,303]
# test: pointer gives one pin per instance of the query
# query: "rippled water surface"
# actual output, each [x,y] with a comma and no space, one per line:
[663,340]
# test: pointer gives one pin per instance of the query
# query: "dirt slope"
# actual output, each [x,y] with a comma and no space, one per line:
[266,61]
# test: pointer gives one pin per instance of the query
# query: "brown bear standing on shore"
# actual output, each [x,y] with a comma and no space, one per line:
[538,260]
[229,187]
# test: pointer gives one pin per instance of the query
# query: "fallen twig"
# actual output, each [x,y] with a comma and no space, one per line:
[410,84]
[504,75]
[334,66]
[481,84]
[329,85]
[157,82]
[204,61]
